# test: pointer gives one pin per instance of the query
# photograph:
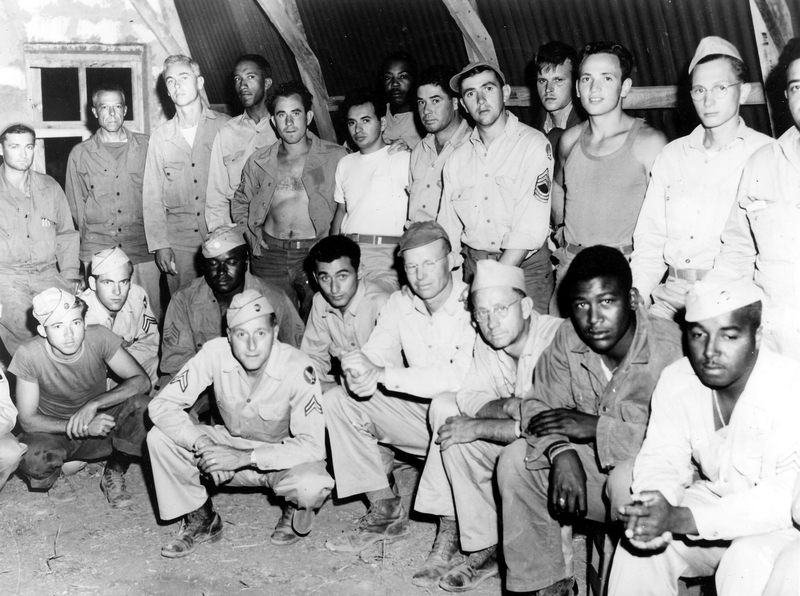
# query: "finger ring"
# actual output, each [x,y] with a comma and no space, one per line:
[85,426]
[213,461]
[639,530]
[562,501]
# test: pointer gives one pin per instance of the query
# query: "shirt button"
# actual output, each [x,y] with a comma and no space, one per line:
[197,198]
[428,186]
[488,221]
[198,213]
[248,400]
[197,230]
[199,346]
[688,260]
[119,229]
[117,194]
[192,165]
[486,175]
[195,181]
[605,408]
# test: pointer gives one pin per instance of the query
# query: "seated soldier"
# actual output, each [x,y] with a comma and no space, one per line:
[712,484]
[196,314]
[430,327]
[344,312]
[273,431]
[117,304]
[11,450]
[582,422]
[483,416]
[66,412]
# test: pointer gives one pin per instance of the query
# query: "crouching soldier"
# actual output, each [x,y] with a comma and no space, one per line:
[273,433]
[64,407]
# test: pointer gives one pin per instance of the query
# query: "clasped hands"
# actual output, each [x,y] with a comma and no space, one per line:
[220,462]
[361,374]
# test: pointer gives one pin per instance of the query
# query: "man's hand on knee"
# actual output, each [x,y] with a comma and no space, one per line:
[651,520]
[568,485]
[221,458]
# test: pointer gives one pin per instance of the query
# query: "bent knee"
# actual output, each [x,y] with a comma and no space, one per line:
[442,407]
[511,462]
[11,452]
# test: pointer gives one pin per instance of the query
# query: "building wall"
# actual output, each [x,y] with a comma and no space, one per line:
[73,21]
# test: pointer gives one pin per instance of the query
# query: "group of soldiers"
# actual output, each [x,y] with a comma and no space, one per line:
[404,293]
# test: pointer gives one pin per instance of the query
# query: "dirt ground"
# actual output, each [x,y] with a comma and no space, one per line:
[86,548]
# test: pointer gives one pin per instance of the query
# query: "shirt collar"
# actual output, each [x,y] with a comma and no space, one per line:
[509,130]
[355,302]
[561,121]
[698,134]
[275,369]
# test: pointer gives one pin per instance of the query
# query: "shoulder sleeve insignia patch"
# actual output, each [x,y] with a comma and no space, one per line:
[182,380]
[172,335]
[542,191]
[309,375]
[312,406]
[148,321]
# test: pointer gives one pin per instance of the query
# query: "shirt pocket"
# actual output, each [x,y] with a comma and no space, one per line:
[774,223]
[466,208]
[233,165]
[272,422]
[678,209]
[175,187]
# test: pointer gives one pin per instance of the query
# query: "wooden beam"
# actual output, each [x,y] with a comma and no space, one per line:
[477,39]
[286,19]
[778,20]
[163,31]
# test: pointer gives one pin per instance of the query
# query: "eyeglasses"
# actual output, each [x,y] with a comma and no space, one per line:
[426,267]
[717,91]
[482,315]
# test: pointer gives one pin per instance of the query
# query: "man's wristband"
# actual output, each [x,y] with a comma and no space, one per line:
[557,448]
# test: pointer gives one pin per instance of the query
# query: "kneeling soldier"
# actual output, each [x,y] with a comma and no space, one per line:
[273,433]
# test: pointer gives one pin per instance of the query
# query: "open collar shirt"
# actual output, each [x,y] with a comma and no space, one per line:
[425,191]
[751,464]
[437,347]
[105,196]
[498,197]
[36,231]
[570,375]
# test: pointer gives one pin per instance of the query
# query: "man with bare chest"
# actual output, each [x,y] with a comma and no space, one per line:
[285,198]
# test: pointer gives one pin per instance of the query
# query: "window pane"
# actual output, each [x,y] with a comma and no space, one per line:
[121,76]
[60,94]
[56,153]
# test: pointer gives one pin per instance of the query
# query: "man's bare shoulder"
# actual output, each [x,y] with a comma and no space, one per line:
[568,141]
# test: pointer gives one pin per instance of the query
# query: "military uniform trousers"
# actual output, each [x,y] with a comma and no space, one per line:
[361,432]
[17,290]
[743,566]
[470,468]
[11,452]
[538,553]
[177,476]
[48,452]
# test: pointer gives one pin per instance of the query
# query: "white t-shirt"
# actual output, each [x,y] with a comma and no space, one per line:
[189,134]
[373,188]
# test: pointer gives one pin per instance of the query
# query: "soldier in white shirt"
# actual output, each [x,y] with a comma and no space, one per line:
[693,183]
[431,327]
[712,484]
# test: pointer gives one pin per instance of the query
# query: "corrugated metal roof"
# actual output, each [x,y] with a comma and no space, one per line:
[351,37]
[219,31]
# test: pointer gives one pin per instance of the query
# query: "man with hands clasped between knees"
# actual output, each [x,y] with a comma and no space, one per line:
[273,431]
[65,411]
[729,411]
[582,422]
[474,425]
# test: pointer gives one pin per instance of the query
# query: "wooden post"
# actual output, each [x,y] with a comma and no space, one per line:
[476,38]
[286,19]
[163,29]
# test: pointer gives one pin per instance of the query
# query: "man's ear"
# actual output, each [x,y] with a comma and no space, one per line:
[745,93]
[635,297]
[40,331]
[626,87]
[526,304]
[383,123]
[200,82]
[267,84]
[759,335]
[309,117]
[94,112]
[362,271]
[506,93]
[92,283]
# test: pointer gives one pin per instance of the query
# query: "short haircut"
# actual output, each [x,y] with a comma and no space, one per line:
[555,53]
[478,70]
[257,59]
[181,59]
[439,75]
[598,261]
[361,96]
[738,67]
[288,89]
[335,247]
[400,56]
[107,87]
[624,56]
[17,129]
[791,52]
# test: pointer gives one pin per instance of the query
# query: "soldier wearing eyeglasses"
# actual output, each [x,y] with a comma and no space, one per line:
[582,422]
[693,183]
[385,401]
[472,426]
